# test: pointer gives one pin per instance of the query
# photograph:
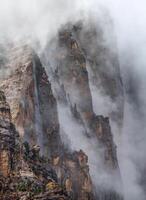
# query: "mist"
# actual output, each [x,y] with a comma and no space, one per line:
[38,21]
[129,20]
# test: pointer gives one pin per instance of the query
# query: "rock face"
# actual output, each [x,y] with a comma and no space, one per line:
[71,78]
[23,173]
[102,59]
[73,172]
[68,64]
[29,94]
[24,117]
[7,137]
[37,164]
[87,64]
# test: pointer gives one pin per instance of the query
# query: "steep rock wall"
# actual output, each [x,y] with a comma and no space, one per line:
[67,68]
[27,162]
[7,137]
[34,109]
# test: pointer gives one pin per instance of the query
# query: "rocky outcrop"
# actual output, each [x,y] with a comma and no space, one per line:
[28,164]
[7,137]
[87,55]
[23,173]
[29,94]
[71,78]
[42,166]
[73,172]
[102,58]
[68,64]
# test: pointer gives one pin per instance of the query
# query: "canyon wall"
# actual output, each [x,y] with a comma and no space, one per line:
[38,150]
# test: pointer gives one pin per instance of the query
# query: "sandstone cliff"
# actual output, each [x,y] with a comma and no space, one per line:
[67,64]
[23,116]
[7,137]
[29,94]
[38,158]
[27,175]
